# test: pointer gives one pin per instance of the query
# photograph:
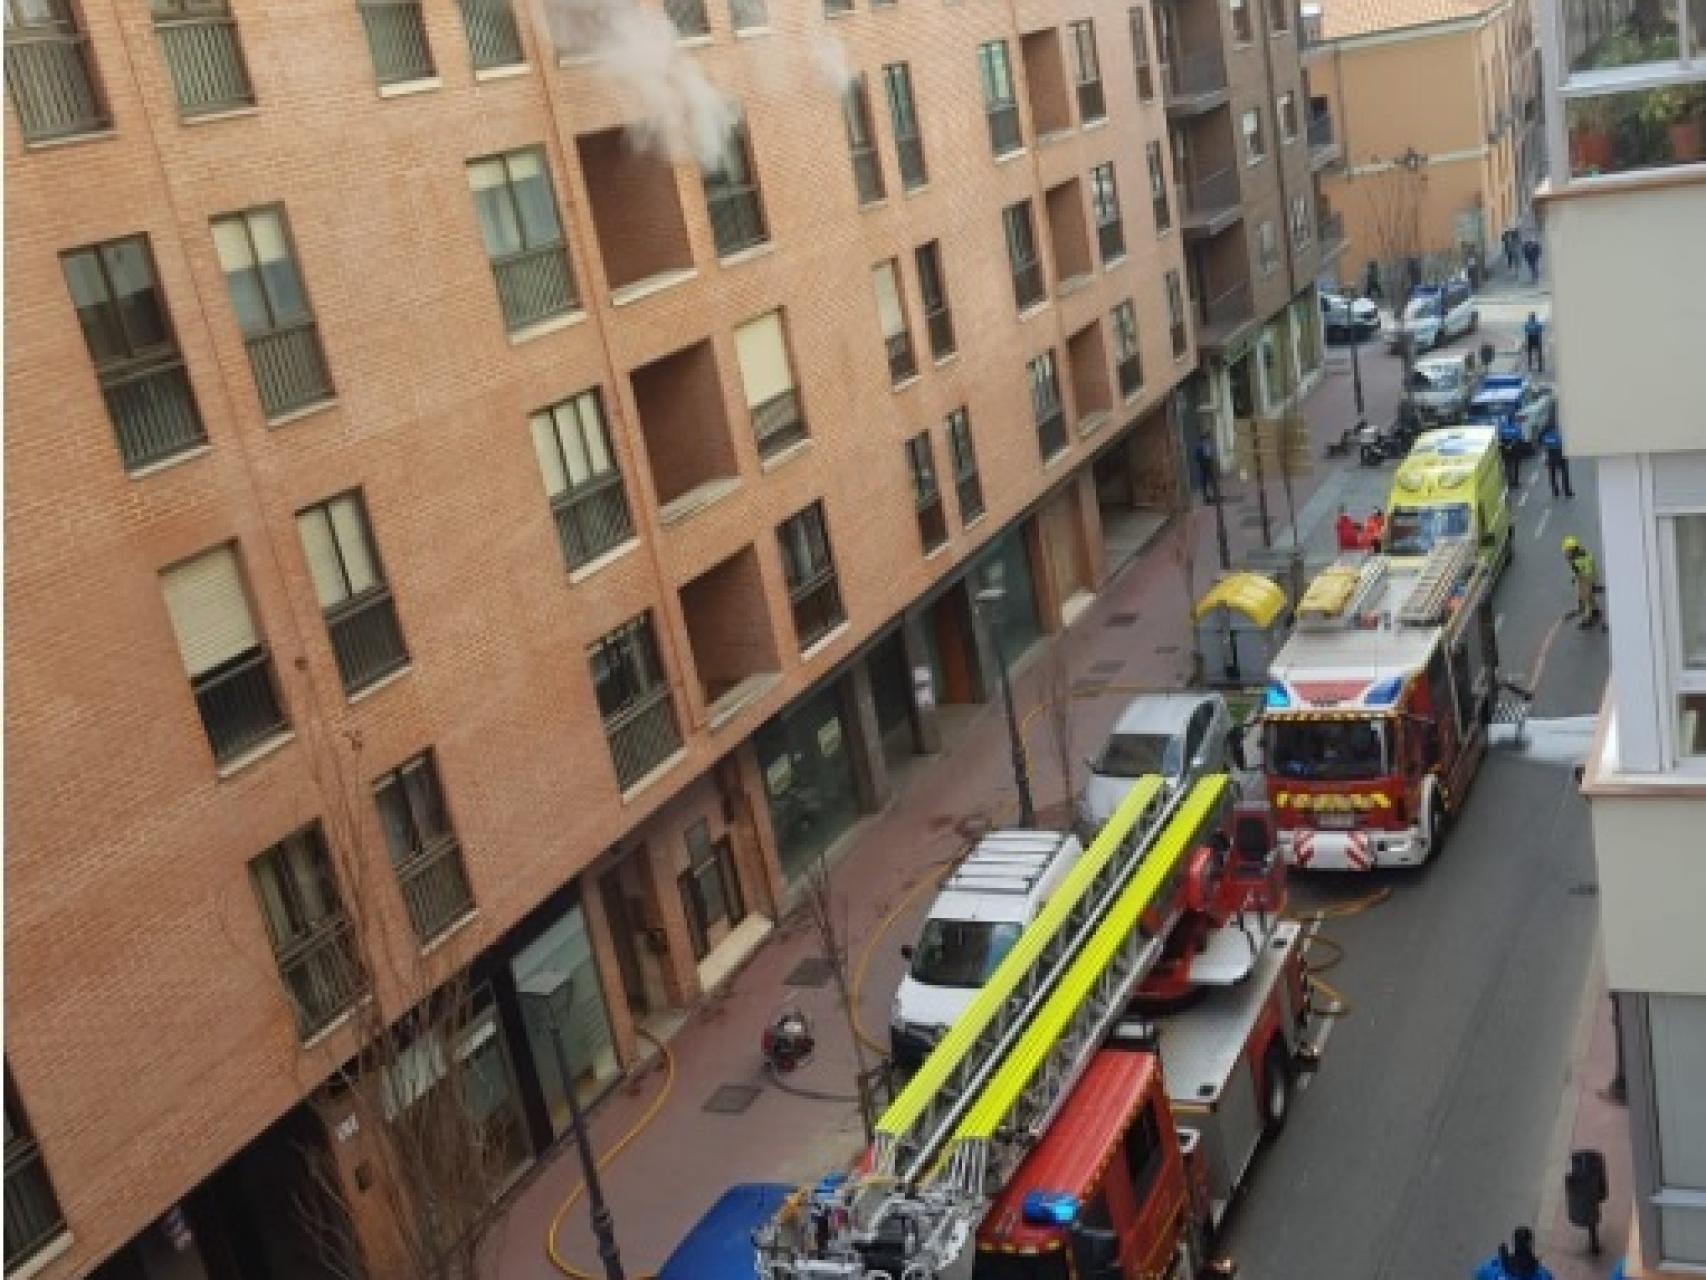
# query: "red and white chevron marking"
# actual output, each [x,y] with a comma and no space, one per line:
[1354,847]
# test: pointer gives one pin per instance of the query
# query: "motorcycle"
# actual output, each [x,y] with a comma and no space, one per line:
[1376,445]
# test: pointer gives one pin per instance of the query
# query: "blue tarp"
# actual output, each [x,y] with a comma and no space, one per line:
[720,1246]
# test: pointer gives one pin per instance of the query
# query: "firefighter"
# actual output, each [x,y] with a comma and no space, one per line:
[1374,530]
[1348,531]
[1586,580]
[1517,1263]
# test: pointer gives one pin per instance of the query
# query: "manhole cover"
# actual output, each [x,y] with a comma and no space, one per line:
[1120,620]
[1088,688]
[732,1099]
[1110,668]
[813,971]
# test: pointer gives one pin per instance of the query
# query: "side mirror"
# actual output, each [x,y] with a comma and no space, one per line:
[906,951]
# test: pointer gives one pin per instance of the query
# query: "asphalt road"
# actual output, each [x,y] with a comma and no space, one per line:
[1423,1139]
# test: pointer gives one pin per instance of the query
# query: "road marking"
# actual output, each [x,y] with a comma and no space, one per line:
[1541,527]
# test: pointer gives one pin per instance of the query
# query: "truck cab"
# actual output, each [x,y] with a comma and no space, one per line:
[1450,486]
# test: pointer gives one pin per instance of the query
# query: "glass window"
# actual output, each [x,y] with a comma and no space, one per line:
[809,783]
[1412,531]
[1327,750]
[260,270]
[559,965]
[1255,148]
[1144,1153]
[962,953]
[1132,755]
[1242,31]
[32,1209]
[1690,677]
[1677,1033]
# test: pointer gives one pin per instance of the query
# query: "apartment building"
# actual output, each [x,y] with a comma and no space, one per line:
[1438,102]
[469,499]
[1622,211]
[1246,153]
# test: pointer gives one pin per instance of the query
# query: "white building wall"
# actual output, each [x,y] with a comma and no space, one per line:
[1651,851]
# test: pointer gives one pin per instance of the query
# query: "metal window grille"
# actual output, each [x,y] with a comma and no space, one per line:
[205,56]
[424,849]
[494,38]
[279,329]
[1087,72]
[809,569]
[732,199]
[903,112]
[1000,105]
[926,492]
[534,277]
[312,939]
[634,699]
[238,704]
[33,1217]
[938,317]
[361,617]
[1105,200]
[867,166]
[967,486]
[397,39]
[1140,57]
[1047,411]
[1027,267]
[50,74]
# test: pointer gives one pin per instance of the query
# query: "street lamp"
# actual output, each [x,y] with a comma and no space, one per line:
[541,988]
[988,601]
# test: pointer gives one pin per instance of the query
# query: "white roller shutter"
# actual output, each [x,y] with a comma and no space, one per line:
[209,610]
[889,313]
[763,352]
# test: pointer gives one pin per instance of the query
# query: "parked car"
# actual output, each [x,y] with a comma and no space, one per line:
[1441,386]
[1436,314]
[1346,317]
[1177,735]
[1518,406]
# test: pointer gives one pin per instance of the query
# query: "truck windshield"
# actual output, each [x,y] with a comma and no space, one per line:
[962,953]
[1412,531]
[1131,755]
[1327,750]
[1438,378]
[1020,1266]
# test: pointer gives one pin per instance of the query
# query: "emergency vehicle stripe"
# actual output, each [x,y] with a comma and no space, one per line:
[1169,849]
[1357,851]
[906,1110]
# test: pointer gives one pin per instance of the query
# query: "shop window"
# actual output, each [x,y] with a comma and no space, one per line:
[562,958]
[806,757]
[710,890]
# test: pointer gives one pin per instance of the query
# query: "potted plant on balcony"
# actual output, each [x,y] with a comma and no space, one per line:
[1592,125]
[1680,111]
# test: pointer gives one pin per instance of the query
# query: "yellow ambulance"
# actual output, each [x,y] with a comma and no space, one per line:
[1451,485]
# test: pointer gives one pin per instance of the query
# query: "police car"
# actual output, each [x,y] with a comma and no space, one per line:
[1516,405]
[1436,314]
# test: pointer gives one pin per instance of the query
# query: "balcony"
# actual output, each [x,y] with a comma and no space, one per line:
[1087,366]
[366,639]
[435,887]
[1069,237]
[493,37]
[1196,84]
[1225,317]
[52,86]
[642,735]
[238,705]
[154,413]
[207,64]
[778,424]
[322,974]
[1330,237]
[534,285]
[685,427]
[1050,98]
[621,178]
[1209,205]
[290,369]
[730,635]
[397,39]
[1324,148]
[592,519]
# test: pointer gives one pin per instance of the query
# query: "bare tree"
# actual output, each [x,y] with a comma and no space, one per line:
[827,912]
[1395,196]
[1057,699]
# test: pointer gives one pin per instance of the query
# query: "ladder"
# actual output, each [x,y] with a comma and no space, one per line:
[1440,575]
[999,1076]
[1340,591]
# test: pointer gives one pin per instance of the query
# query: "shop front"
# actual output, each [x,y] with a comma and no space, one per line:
[805,759]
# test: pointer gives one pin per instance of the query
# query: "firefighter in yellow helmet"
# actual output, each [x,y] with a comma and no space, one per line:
[1582,572]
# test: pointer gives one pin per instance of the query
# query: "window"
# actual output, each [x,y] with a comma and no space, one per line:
[1279,17]
[1105,203]
[903,114]
[135,353]
[1087,72]
[49,72]
[1047,412]
[424,850]
[1158,202]
[273,310]
[1267,247]
[710,890]
[202,51]
[767,375]
[494,40]
[749,15]
[1128,361]
[1176,313]
[312,942]
[1250,123]
[1144,1154]
[926,493]
[938,318]
[1028,289]
[1000,106]
[1674,1179]
[891,317]
[1688,537]
[1302,225]
[350,585]
[689,18]
[731,197]
[582,480]
[397,39]
[833,7]
[968,487]
[633,700]
[229,670]
[867,167]
[33,1218]
[1286,110]
[1242,31]
[517,212]
[809,569]
[1140,55]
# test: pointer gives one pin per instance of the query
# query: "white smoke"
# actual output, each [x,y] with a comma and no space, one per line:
[829,57]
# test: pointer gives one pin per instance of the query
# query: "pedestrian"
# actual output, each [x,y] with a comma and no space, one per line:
[1531,336]
[1512,241]
[1557,465]
[1206,471]
[1371,286]
[1510,450]
[1586,583]
[1374,530]
[1531,255]
[1349,534]
[1487,354]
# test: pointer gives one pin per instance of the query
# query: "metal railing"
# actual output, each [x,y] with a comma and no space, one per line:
[642,735]
[1196,74]
[534,285]
[32,1211]
[868,174]
[153,412]
[290,369]
[1004,132]
[366,638]
[909,151]
[689,17]
[745,15]
[939,324]
[206,60]
[1208,196]
[52,85]
[1110,239]
[1092,103]
[494,40]
[1028,288]
[778,423]
[737,219]
[903,362]
[592,518]
[239,706]
[397,39]
[1051,432]
[969,490]
[1130,373]
[322,974]
[817,607]
[435,887]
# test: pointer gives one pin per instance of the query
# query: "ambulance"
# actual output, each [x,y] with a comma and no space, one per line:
[1451,485]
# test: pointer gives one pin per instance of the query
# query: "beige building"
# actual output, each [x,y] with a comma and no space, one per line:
[1437,107]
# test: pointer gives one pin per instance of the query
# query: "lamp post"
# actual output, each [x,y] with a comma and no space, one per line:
[541,987]
[1356,365]
[987,602]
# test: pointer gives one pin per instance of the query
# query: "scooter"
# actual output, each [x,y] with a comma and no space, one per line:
[1377,444]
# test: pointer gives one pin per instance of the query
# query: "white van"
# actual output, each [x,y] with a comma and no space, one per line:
[972,925]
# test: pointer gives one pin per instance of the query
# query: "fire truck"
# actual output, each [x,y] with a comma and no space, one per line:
[1093,1111]
[1377,707]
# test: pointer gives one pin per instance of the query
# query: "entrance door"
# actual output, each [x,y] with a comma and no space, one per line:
[623,924]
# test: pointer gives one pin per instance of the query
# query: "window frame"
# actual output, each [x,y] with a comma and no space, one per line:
[927,501]
[333,929]
[805,578]
[1285,111]
[1143,62]
[1128,344]
[425,847]
[23,1154]
[1678,679]
[904,123]
[1243,23]
[719,186]
[372,598]
[861,133]
[962,454]
[1255,142]
[1105,210]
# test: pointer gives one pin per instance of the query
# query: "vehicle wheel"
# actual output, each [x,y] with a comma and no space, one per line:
[1436,826]
[1276,1086]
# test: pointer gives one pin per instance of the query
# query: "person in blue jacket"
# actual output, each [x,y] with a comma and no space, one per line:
[1516,1263]
[1557,465]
